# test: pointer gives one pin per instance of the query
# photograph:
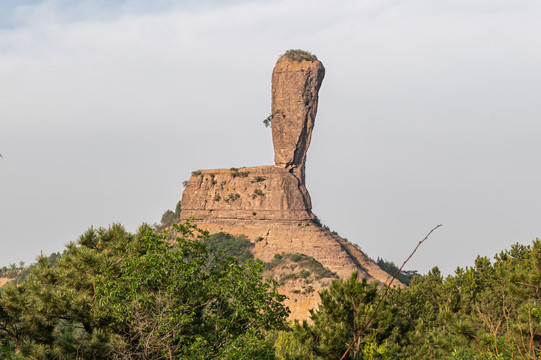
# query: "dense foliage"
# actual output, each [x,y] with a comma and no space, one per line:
[230,245]
[488,311]
[116,295]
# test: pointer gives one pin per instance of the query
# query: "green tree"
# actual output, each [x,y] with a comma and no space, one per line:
[50,314]
[230,245]
[345,309]
[170,217]
[112,289]
[174,301]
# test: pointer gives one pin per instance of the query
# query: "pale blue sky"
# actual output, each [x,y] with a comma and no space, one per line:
[429,113]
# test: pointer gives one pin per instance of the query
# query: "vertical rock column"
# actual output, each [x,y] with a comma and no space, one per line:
[295,87]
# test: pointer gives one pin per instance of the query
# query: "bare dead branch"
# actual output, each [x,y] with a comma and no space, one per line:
[385,292]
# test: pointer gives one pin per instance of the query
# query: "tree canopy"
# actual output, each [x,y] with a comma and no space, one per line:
[116,295]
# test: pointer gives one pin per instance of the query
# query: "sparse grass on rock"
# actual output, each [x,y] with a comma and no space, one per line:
[299,55]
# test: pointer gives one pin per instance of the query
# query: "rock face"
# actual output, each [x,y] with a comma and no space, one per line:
[251,193]
[270,204]
[295,87]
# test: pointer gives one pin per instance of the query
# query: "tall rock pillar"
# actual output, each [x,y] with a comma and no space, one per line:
[296,79]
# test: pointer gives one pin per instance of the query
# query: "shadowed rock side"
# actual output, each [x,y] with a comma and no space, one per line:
[295,87]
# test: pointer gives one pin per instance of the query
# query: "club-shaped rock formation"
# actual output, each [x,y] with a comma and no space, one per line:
[270,204]
[295,87]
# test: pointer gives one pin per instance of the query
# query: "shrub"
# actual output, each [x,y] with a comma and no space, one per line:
[196,173]
[233,196]
[299,55]
[229,245]
[257,193]
[217,197]
[259,179]
[317,222]
[296,257]
[304,273]
[274,262]
[286,277]
[239,173]
[169,217]
[267,121]
[390,268]
[235,172]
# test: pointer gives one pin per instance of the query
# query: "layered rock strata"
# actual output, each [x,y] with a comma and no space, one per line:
[250,193]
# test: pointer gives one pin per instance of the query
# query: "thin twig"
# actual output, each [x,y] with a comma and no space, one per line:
[318,333]
[387,287]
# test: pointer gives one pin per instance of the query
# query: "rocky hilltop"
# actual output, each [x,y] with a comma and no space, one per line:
[270,204]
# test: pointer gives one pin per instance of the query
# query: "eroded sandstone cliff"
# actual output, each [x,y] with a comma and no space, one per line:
[295,88]
[251,193]
[270,204]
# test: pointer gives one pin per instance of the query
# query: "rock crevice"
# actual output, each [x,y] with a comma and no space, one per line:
[295,88]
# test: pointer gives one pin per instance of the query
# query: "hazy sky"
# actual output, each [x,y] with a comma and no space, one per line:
[430,112]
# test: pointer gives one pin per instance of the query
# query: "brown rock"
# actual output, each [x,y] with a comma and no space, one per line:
[295,87]
[293,236]
[252,193]
[270,204]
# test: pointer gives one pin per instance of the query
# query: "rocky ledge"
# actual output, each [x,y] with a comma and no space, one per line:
[250,193]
